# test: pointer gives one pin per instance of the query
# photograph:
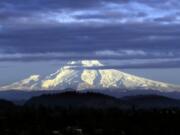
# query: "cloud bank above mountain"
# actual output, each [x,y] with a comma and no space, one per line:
[134,30]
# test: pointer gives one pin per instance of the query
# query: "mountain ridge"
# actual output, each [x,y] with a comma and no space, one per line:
[77,99]
[87,74]
[96,100]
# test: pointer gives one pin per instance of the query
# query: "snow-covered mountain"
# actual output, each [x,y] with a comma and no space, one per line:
[87,74]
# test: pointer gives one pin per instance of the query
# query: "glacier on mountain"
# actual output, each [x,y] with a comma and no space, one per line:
[88,74]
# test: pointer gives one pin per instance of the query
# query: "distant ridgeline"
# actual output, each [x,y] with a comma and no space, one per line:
[77,99]
[24,95]
[95,100]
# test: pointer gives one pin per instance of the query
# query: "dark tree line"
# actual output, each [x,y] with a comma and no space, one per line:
[89,114]
[86,121]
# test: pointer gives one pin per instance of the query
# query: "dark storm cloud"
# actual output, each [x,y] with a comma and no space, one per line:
[168,64]
[130,10]
[89,29]
[60,39]
[51,4]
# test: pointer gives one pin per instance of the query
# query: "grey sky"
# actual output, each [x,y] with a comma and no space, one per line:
[138,34]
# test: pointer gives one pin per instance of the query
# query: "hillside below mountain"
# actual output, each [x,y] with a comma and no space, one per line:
[76,100]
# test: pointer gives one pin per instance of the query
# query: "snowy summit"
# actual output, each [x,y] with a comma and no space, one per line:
[81,75]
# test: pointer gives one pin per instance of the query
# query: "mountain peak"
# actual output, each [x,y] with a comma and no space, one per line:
[75,75]
[85,63]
